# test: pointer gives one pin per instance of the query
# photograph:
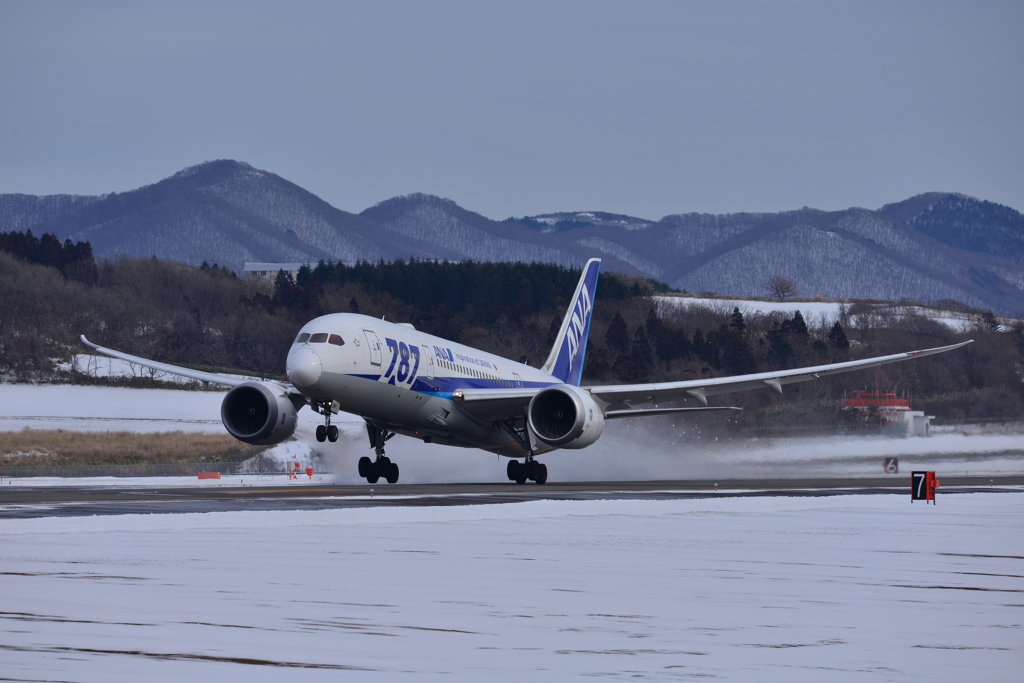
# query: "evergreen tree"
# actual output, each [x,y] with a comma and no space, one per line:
[736,357]
[556,324]
[643,347]
[616,339]
[837,337]
[737,321]
[597,364]
[780,353]
[668,344]
[353,306]
[797,324]
[705,348]
[286,294]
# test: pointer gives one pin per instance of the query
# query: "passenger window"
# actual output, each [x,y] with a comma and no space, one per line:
[318,338]
[302,338]
[336,340]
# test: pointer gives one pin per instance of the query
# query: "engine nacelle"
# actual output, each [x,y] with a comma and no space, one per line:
[565,416]
[254,413]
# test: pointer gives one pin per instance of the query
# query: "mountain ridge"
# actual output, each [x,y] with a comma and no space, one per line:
[932,246]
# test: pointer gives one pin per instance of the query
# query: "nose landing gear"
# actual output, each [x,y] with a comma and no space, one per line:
[326,431]
[374,470]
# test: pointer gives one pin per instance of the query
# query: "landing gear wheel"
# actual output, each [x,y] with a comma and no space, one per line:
[372,477]
[365,467]
[513,470]
[522,472]
[541,473]
[531,470]
[321,433]
[392,475]
[332,433]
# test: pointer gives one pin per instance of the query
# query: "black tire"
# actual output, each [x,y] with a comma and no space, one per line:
[512,470]
[321,433]
[365,467]
[521,479]
[332,433]
[531,470]
[393,474]
[542,473]
[372,479]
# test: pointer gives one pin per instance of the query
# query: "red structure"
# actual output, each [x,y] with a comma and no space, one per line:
[922,486]
[886,405]
[884,399]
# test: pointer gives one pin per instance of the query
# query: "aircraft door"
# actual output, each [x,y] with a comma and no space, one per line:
[428,361]
[374,344]
[519,380]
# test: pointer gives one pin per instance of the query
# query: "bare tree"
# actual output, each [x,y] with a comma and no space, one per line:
[781,288]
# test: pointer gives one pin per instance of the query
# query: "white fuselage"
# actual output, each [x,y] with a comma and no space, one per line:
[404,380]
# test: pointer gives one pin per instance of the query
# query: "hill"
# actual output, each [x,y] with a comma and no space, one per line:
[927,248]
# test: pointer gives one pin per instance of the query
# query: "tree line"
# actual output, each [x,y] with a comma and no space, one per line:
[74,260]
[208,317]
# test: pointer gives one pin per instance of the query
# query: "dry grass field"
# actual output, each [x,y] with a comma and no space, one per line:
[58,447]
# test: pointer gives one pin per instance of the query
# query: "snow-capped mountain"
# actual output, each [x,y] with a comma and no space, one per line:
[926,248]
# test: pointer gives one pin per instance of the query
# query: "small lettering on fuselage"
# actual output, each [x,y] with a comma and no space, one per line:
[448,355]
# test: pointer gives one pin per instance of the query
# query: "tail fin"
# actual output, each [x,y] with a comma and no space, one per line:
[567,355]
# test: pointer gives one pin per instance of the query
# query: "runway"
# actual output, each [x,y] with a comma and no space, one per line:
[71,501]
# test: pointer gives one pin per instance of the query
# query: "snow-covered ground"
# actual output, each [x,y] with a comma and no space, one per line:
[850,588]
[89,408]
[815,311]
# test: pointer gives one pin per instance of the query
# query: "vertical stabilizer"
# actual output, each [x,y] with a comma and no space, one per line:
[567,355]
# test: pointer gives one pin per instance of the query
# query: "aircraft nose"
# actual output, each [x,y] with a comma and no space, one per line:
[304,367]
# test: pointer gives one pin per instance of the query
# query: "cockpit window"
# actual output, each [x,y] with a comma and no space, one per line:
[318,338]
[302,338]
[336,340]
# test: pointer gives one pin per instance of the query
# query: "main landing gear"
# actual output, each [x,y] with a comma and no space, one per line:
[519,472]
[326,431]
[374,470]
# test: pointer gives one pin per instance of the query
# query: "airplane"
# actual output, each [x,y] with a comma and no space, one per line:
[403,381]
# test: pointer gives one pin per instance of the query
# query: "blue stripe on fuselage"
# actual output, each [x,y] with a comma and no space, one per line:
[445,386]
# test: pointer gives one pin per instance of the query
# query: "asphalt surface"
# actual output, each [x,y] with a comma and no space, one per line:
[72,501]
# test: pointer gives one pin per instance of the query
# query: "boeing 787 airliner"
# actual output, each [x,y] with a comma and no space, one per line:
[402,381]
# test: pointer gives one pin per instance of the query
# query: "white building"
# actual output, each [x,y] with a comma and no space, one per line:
[269,270]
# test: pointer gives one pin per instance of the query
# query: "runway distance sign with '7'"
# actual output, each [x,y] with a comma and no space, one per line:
[922,486]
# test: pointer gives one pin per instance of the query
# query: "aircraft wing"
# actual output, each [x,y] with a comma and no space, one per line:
[491,405]
[622,396]
[176,370]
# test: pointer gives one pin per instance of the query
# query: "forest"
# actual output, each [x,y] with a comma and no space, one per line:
[207,317]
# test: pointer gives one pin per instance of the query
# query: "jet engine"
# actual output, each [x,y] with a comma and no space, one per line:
[256,414]
[565,416]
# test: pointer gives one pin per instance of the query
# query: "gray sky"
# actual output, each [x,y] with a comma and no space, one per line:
[645,108]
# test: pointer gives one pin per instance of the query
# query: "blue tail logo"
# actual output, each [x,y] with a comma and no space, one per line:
[569,351]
